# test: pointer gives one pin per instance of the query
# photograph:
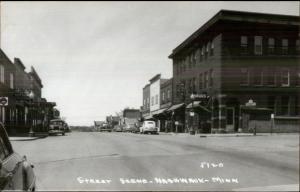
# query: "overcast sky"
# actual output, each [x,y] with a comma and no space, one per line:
[94,58]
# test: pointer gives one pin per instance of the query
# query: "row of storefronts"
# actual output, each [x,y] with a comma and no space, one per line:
[23,111]
[239,72]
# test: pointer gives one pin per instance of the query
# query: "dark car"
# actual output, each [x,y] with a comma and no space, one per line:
[16,173]
[57,126]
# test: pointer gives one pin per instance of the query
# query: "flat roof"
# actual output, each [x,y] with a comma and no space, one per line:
[239,16]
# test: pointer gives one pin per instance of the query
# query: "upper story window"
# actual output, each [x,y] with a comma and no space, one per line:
[211,77]
[258,77]
[207,49]
[285,77]
[270,76]
[148,102]
[193,85]
[258,45]
[205,80]
[212,48]
[244,45]
[156,99]
[298,79]
[245,76]
[284,46]
[195,57]
[152,101]
[163,96]
[200,81]
[202,53]
[298,45]
[168,94]
[271,46]
[1,73]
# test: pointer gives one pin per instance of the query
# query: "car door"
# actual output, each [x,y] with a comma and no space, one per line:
[11,172]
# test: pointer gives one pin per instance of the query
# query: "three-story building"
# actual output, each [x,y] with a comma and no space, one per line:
[233,58]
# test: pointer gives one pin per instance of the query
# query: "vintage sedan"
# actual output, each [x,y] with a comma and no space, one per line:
[16,173]
[57,126]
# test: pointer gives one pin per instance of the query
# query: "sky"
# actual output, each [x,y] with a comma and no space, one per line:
[94,58]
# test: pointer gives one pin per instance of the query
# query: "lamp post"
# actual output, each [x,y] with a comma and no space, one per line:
[31,96]
[192,114]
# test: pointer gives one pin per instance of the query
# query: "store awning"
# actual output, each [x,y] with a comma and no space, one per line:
[174,107]
[159,111]
[197,104]
[148,117]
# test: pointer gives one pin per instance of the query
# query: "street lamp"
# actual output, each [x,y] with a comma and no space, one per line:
[31,96]
[192,114]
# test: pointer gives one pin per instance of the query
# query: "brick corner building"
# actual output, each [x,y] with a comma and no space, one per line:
[234,59]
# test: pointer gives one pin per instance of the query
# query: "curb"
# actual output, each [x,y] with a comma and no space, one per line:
[26,138]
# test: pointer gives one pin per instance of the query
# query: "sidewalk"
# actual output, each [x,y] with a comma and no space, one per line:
[23,138]
[28,138]
[220,134]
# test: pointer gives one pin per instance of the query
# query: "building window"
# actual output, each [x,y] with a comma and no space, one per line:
[202,53]
[297,45]
[211,78]
[258,77]
[163,96]
[148,102]
[258,45]
[152,101]
[211,49]
[285,77]
[194,85]
[1,73]
[245,76]
[194,58]
[298,79]
[285,46]
[271,46]
[156,99]
[244,45]
[207,49]
[271,103]
[200,81]
[285,100]
[11,80]
[205,80]
[271,77]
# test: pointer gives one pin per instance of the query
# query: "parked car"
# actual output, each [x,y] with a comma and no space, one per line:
[16,173]
[136,128]
[127,128]
[148,127]
[117,128]
[105,127]
[67,128]
[57,126]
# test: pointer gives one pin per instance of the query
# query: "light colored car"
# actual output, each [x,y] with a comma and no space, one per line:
[57,126]
[16,173]
[148,127]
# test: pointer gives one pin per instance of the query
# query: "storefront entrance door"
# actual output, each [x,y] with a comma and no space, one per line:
[230,119]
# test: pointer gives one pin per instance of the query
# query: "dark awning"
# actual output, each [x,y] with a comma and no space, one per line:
[197,104]
[174,107]
[158,112]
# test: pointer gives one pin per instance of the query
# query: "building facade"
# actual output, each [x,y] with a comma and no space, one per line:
[146,102]
[22,110]
[234,58]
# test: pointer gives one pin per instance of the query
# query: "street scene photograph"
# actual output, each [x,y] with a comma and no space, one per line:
[149,96]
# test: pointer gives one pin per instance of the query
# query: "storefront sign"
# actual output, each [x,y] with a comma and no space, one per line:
[250,103]
[3,101]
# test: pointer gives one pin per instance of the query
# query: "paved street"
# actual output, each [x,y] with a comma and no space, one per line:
[125,161]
